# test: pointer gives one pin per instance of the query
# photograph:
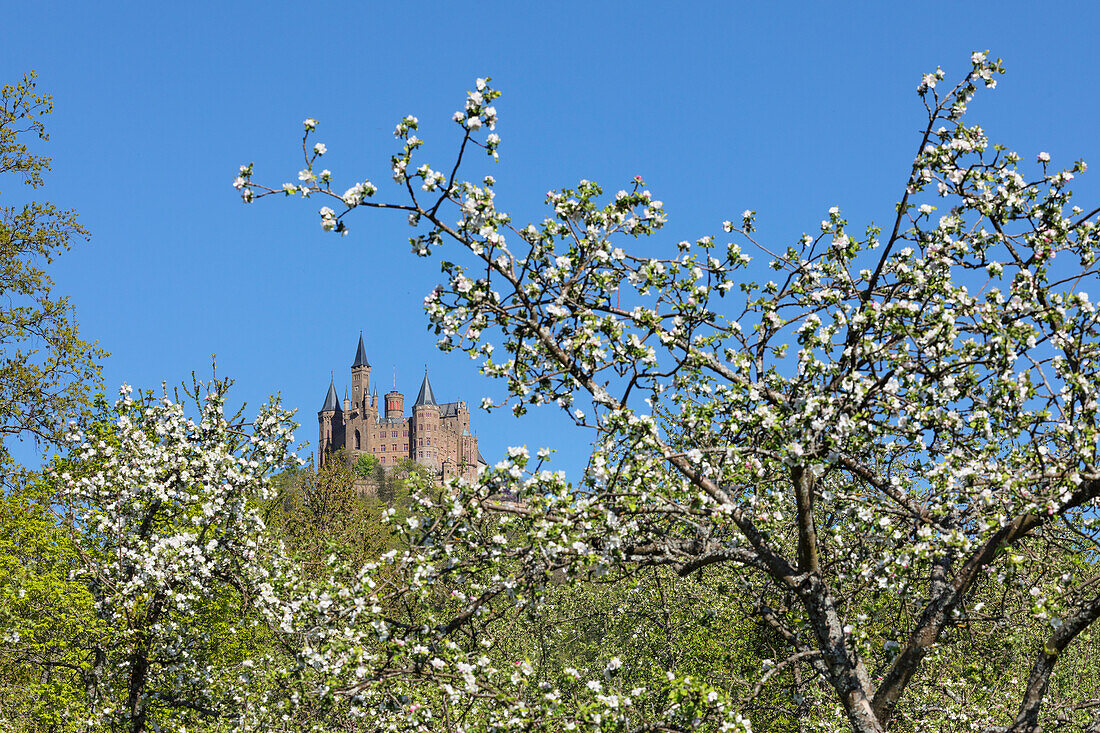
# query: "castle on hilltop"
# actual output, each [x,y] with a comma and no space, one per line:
[436,435]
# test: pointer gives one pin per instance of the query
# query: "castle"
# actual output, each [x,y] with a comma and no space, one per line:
[436,435]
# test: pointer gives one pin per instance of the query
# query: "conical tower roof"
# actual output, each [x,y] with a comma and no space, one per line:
[332,403]
[425,397]
[360,354]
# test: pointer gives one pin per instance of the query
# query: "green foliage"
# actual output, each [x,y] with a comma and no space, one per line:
[47,621]
[396,484]
[366,465]
[46,370]
[340,509]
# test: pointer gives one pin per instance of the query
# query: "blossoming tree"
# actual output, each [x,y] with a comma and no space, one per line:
[886,428]
[170,545]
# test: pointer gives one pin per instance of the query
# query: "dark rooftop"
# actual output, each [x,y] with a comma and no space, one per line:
[361,354]
[425,397]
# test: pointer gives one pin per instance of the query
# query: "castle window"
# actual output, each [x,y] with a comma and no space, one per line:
[395,447]
[429,441]
[357,446]
[383,448]
[383,459]
[421,441]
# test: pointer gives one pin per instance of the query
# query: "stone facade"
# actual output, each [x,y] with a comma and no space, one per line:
[435,435]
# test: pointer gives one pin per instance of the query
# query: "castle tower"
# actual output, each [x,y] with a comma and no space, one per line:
[425,435]
[395,405]
[360,377]
[330,424]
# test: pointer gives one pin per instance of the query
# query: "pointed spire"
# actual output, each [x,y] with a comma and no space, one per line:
[332,403]
[360,354]
[425,397]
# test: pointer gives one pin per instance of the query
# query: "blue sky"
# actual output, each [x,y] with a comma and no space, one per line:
[785,108]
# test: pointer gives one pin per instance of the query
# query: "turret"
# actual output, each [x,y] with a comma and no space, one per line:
[330,424]
[395,405]
[360,376]
[425,424]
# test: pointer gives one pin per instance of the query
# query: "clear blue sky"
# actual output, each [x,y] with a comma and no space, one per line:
[786,108]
